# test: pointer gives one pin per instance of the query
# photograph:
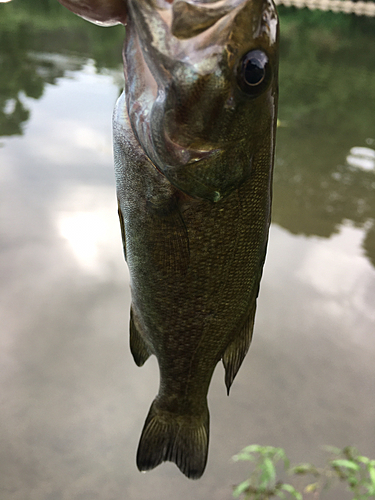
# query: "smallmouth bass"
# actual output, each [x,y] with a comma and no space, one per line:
[194,137]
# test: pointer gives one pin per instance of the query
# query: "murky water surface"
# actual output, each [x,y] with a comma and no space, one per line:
[72,400]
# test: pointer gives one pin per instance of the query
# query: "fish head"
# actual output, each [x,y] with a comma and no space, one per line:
[201,86]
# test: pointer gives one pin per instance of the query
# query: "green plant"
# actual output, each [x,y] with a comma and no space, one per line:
[346,465]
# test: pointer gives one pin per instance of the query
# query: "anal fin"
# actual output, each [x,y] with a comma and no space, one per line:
[237,350]
[138,346]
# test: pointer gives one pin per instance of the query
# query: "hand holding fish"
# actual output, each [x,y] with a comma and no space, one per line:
[194,137]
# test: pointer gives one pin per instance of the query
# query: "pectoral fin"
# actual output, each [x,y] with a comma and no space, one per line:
[175,254]
[237,350]
[171,251]
[138,347]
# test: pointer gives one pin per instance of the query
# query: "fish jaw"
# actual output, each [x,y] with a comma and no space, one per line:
[199,128]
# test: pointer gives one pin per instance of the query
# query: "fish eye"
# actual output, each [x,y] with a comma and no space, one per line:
[254,73]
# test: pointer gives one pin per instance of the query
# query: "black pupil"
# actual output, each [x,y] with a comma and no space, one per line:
[254,71]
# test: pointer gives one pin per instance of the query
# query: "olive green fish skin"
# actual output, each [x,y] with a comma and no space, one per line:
[193,162]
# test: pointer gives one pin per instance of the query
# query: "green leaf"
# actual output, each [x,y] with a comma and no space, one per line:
[310,488]
[371,471]
[292,491]
[348,464]
[356,470]
[268,474]
[240,488]
[280,494]
[243,456]
[353,481]
[254,448]
[303,469]
[281,455]
[350,453]
[371,486]
[248,453]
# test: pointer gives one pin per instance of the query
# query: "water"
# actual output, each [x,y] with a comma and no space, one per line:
[73,402]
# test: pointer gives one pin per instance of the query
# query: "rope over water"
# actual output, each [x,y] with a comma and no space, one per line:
[359,8]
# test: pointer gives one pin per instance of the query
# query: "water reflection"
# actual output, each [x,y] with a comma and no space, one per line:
[88,227]
[327,107]
[73,402]
[362,158]
[338,272]
[34,37]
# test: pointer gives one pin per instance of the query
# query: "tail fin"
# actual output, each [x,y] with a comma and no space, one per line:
[182,439]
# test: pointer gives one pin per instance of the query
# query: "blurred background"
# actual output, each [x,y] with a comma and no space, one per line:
[73,402]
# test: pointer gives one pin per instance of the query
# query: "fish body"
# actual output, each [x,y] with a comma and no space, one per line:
[194,137]
[194,140]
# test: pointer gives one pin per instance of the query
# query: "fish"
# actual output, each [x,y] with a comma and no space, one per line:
[194,139]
